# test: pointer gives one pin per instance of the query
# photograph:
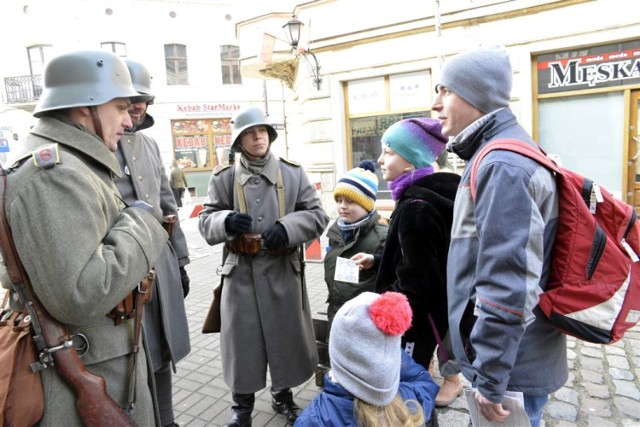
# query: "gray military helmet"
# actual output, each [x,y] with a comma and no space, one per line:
[249,117]
[83,79]
[141,79]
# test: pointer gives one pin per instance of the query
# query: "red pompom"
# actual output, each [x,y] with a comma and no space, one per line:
[391,313]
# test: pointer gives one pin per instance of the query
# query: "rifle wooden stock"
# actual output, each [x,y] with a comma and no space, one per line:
[95,406]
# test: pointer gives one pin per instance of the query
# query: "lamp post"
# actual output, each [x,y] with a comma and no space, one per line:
[292,30]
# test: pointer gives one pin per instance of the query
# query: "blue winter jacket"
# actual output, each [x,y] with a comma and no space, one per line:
[499,263]
[334,406]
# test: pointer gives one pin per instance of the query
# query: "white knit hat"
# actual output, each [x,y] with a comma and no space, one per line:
[364,345]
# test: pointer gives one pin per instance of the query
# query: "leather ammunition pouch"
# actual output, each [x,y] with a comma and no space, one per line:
[251,244]
[245,244]
[126,309]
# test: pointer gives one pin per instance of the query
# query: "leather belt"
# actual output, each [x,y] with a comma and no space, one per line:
[251,245]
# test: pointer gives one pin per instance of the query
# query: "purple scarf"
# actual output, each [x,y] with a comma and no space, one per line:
[406,180]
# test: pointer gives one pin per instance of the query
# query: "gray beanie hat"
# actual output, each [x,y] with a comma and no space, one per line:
[481,76]
[364,345]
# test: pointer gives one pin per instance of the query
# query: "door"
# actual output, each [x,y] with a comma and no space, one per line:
[633,184]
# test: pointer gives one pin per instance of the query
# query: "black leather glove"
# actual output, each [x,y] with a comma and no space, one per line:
[140,204]
[184,278]
[275,236]
[237,223]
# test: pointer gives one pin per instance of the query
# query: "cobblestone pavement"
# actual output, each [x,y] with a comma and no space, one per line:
[603,388]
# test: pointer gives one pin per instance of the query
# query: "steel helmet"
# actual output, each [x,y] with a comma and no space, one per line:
[247,118]
[83,79]
[141,79]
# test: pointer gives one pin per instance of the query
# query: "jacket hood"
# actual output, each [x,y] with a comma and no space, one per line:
[438,188]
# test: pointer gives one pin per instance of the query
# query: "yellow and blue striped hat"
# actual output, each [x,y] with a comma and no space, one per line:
[360,185]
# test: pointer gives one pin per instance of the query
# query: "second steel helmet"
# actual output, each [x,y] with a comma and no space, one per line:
[141,79]
[83,79]
[249,117]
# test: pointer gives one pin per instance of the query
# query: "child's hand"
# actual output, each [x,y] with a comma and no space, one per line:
[364,261]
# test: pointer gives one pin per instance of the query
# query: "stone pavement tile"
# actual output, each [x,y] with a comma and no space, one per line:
[603,387]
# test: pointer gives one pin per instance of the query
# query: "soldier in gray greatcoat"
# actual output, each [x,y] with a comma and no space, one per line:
[82,247]
[144,177]
[266,317]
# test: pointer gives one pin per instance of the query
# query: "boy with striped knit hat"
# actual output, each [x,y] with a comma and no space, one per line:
[357,230]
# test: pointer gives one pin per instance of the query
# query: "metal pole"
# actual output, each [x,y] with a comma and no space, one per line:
[266,99]
[284,123]
[438,35]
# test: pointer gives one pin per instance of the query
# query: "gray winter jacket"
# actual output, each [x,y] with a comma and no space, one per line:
[499,263]
[144,178]
[266,317]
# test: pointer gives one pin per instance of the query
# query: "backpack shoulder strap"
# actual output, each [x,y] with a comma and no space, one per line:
[516,146]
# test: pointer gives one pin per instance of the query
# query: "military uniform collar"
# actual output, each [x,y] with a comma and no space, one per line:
[269,171]
[77,138]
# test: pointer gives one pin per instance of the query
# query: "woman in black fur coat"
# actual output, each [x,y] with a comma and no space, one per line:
[414,258]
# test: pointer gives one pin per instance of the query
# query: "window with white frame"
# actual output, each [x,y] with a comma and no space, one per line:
[229,57]
[118,48]
[38,54]
[376,103]
[175,56]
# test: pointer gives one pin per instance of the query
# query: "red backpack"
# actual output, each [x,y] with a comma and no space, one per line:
[593,291]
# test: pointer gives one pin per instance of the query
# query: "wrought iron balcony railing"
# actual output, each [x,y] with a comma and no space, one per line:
[23,88]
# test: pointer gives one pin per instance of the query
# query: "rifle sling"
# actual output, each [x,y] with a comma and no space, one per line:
[242,205]
[242,202]
[142,295]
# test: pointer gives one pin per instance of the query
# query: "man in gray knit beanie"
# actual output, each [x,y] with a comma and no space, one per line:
[482,77]
[501,242]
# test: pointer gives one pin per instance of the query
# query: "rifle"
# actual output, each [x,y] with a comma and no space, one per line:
[303,275]
[55,345]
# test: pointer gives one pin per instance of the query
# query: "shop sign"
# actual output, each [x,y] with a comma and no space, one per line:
[589,68]
[207,109]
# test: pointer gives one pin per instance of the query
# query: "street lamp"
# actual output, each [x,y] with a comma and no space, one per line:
[292,31]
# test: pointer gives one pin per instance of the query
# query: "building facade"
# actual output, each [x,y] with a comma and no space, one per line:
[189,46]
[576,67]
[358,67]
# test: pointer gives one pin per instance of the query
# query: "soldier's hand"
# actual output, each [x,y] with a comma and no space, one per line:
[275,236]
[184,278]
[237,223]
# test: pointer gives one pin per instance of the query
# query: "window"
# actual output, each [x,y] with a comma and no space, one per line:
[29,88]
[376,103]
[202,143]
[587,133]
[365,141]
[37,56]
[229,56]
[119,49]
[175,56]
